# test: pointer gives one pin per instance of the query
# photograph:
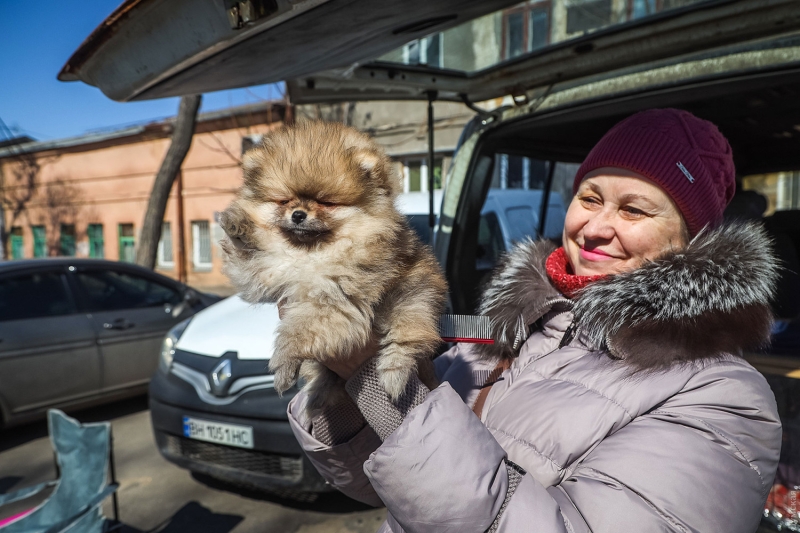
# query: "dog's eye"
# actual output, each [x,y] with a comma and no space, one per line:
[328,204]
[283,202]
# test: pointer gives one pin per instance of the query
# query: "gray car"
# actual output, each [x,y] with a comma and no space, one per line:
[77,332]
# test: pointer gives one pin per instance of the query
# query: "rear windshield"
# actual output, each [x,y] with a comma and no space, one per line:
[524,29]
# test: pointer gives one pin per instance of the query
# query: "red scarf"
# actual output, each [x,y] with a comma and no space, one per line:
[560,273]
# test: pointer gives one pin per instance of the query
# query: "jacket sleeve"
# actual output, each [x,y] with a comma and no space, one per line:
[443,471]
[341,465]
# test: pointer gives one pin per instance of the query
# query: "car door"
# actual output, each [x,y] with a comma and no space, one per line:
[130,313]
[48,350]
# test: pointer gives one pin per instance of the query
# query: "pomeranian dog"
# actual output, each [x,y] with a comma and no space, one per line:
[315,226]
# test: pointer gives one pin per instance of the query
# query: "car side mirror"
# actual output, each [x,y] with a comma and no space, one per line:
[190,297]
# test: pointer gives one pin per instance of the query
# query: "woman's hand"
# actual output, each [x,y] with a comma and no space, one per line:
[347,367]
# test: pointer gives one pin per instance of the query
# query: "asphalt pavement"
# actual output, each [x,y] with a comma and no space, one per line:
[157,496]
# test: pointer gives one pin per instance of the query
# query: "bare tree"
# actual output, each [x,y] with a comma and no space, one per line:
[61,207]
[18,189]
[157,205]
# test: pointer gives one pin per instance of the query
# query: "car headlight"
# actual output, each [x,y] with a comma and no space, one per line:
[168,345]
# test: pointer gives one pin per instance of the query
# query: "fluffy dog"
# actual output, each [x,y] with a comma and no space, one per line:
[315,226]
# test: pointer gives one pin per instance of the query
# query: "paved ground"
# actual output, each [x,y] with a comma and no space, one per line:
[156,496]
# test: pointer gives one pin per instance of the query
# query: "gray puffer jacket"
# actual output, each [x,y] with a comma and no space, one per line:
[627,409]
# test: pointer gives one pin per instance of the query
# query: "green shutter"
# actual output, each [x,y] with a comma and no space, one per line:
[67,240]
[17,245]
[96,243]
[127,244]
[39,241]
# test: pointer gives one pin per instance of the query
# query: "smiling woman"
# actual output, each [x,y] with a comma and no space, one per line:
[618,220]
[614,397]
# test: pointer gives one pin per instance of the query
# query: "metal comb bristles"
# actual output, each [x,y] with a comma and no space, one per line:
[465,328]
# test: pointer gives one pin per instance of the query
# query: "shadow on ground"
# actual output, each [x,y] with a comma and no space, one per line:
[193,517]
[8,482]
[327,502]
[15,436]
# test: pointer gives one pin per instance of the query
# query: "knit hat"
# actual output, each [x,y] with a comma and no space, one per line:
[686,156]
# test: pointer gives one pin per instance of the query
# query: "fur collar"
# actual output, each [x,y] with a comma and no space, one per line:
[706,301]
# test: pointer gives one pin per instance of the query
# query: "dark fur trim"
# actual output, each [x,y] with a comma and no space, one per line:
[703,302]
[519,287]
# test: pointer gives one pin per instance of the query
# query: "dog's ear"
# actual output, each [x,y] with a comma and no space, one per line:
[252,162]
[379,169]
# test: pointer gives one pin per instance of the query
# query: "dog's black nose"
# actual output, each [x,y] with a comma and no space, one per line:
[298,216]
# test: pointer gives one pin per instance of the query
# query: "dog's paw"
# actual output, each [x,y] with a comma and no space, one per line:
[323,386]
[394,380]
[238,227]
[285,375]
[234,221]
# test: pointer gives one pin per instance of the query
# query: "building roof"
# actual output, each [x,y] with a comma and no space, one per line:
[239,116]
[16,140]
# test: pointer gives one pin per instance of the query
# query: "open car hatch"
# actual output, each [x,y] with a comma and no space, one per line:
[156,48]
[340,50]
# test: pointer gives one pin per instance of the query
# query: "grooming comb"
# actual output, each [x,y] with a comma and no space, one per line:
[465,328]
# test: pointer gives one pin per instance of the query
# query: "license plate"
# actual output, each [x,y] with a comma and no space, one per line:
[228,434]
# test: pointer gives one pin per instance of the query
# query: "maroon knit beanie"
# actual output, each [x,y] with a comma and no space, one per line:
[686,156]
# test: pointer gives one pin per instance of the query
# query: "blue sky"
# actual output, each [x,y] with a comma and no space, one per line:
[36,39]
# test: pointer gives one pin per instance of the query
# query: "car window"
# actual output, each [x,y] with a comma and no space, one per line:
[109,290]
[37,295]
[516,193]
[522,222]
[490,242]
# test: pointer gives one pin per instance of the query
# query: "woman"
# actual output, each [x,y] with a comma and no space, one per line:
[627,406]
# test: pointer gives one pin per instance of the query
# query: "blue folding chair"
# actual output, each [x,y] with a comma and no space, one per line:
[86,464]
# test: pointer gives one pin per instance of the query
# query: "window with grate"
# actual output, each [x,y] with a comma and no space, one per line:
[96,242]
[127,243]
[17,244]
[201,245]
[164,255]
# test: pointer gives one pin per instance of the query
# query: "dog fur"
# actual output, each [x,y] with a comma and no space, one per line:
[347,266]
[710,300]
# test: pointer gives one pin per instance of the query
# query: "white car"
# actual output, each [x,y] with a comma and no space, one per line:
[213,406]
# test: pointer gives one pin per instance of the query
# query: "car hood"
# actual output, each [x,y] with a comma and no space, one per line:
[232,325]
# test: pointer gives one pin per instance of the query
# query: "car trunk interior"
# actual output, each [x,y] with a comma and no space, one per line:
[760,116]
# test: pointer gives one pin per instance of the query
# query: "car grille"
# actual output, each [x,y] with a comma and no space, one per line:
[282,466]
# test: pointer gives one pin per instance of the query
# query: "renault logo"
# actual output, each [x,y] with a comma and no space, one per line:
[220,378]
